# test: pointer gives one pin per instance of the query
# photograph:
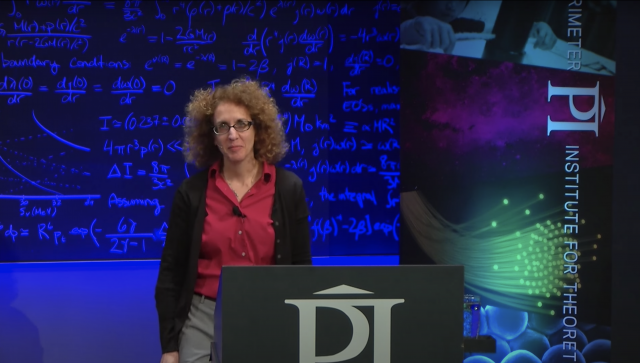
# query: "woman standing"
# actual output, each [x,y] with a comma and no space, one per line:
[241,210]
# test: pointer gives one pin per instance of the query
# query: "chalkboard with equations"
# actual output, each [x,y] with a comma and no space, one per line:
[92,97]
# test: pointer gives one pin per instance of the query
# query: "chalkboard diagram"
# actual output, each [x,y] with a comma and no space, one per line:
[92,97]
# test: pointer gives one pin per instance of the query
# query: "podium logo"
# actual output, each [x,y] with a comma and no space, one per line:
[587,121]
[382,327]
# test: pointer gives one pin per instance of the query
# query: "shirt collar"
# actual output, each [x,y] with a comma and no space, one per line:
[267,170]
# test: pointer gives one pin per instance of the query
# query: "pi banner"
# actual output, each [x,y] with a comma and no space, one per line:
[507,124]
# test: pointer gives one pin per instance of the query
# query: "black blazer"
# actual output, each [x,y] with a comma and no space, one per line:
[179,263]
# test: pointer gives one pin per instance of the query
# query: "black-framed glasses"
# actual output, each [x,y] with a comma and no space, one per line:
[240,126]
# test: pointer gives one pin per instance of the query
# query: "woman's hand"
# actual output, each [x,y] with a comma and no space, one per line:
[171,357]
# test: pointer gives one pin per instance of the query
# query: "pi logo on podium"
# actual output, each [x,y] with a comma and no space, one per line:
[360,323]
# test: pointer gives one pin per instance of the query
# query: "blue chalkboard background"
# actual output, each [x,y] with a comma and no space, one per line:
[92,98]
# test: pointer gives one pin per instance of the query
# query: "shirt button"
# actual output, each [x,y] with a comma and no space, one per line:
[239,232]
[276,223]
[243,254]
[277,241]
[278,256]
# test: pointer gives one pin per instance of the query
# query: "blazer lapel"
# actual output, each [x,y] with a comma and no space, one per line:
[198,209]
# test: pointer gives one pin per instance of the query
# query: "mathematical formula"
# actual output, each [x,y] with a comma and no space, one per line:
[92,101]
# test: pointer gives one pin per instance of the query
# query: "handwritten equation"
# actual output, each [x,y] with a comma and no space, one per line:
[72,87]
[123,238]
[93,95]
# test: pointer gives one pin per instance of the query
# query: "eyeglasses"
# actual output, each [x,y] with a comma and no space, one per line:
[240,126]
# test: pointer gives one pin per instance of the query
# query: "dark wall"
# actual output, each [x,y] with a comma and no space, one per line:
[626,191]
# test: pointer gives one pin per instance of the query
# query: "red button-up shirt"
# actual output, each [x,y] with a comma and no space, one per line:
[228,239]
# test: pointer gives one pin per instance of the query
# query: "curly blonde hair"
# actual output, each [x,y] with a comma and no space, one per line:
[198,145]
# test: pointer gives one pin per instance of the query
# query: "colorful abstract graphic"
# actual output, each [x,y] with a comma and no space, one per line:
[526,210]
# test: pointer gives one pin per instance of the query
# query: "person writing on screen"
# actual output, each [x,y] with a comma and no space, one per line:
[240,210]
[433,24]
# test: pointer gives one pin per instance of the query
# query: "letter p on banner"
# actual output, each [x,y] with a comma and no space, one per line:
[588,121]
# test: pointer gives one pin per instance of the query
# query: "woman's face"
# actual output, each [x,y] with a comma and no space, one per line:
[445,10]
[236,146]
